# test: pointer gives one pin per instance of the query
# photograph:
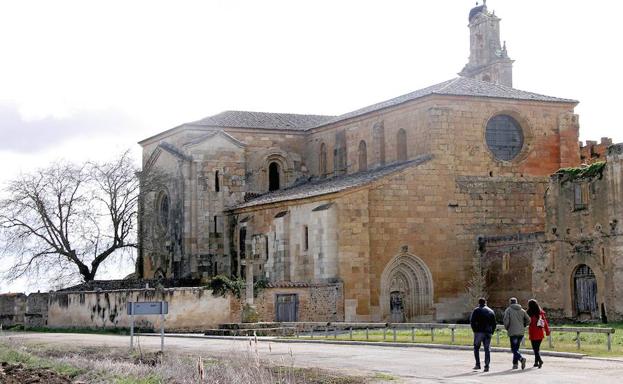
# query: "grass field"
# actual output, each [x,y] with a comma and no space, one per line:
[594,344]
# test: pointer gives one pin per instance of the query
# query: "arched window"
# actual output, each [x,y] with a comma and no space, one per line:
[340,153]
[322,168]
[401,145]
[363,156]
[378,143]
[163,209]
[217,186]
[504,137]
[273,176]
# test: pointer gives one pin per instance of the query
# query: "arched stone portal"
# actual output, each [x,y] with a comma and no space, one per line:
[406,289]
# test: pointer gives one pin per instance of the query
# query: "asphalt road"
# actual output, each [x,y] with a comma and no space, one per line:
[411,365]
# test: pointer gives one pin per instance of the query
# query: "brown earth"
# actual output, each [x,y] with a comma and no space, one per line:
[18,374]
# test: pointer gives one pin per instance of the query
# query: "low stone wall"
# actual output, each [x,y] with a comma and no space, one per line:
[12,309]
[316,302]
[36,314]
[190,309]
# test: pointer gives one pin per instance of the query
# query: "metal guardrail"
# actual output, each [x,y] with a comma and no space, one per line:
[326,328]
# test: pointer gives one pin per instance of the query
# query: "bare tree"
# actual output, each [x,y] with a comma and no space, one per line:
[476,287]
[66,220]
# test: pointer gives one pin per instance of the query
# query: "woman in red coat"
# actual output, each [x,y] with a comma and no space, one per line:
[538,328]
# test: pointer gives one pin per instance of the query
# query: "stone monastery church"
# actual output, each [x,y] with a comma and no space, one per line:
[388,212]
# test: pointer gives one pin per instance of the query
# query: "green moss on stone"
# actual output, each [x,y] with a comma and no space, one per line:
[595,169]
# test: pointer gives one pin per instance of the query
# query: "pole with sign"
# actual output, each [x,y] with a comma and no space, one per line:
[148,308]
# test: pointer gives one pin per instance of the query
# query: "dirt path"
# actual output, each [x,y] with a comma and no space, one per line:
[411,365]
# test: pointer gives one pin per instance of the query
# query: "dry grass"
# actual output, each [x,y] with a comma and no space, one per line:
[106,365]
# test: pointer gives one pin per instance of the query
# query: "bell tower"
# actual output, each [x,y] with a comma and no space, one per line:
[488,59]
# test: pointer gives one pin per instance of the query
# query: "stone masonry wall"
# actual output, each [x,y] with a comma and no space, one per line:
[190,309]
[12,309]
[316,302]
[584,228]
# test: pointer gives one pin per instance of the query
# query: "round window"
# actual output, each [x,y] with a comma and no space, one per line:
[164,211]
[504,137]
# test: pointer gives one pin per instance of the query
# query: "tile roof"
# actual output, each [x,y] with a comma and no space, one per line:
[460,86]
[318,187]
[264,120]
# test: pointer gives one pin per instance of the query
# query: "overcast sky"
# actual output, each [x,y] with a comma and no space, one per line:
[88,79]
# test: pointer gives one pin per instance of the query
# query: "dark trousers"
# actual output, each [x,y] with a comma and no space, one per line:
[484,339]
[536,347]
[515,344]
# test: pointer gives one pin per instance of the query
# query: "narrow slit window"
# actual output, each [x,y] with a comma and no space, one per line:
[305,238]
[217,184]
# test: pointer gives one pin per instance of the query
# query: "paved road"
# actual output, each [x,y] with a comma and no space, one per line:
[412,365]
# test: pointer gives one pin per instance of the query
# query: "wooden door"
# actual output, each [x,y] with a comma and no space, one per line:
[286,309]
[585,286]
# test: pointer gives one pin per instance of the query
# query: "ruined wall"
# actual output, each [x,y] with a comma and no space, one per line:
[20,309]
[584,211]
[36,314]
[190,309]
[12,309]
[593,151]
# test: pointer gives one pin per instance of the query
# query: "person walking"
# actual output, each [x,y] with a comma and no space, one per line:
[538,328]
[483,324]
[515,321]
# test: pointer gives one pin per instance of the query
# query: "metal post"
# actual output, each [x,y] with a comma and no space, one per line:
[161,332]
[432,334]
[326,332]
[577,334]
[609,342]
[413,335]
[367,333]
[312,332]
[351,333]
[497,331]
[549,338]
[335,332]
[394,334]
[385,333]
[131,326]
[452,331]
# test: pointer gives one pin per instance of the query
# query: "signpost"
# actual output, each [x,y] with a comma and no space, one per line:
[148,308]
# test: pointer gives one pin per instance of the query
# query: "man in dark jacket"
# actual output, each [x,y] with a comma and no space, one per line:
[483,324]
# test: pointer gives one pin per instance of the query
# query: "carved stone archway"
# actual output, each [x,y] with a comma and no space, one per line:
[407,284]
